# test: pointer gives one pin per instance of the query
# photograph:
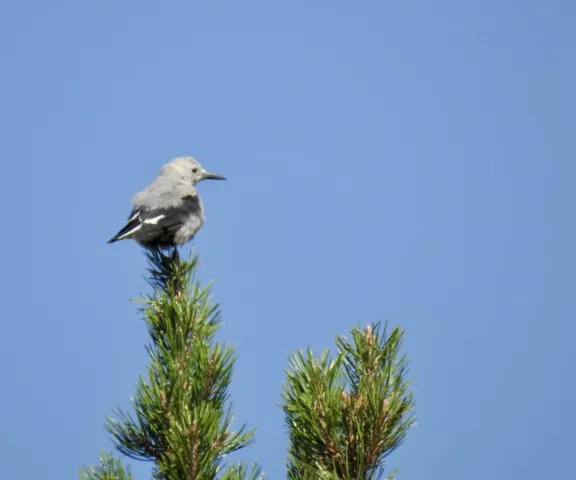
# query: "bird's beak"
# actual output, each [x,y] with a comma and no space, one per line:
[213,176]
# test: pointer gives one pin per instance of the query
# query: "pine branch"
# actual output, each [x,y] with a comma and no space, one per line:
[181,420]
[240,471]
[109,469]
[346,415]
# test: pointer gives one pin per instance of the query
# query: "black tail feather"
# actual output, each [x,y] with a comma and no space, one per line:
[129,226]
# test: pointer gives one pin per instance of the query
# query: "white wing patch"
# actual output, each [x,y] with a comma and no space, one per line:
[155,220]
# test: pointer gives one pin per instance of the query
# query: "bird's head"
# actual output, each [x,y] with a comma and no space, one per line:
[189,170]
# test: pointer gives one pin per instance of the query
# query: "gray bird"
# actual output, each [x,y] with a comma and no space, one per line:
[169,211]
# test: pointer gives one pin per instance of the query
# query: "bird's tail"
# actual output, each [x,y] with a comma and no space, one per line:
[126,232]
[118,236]
[131,227]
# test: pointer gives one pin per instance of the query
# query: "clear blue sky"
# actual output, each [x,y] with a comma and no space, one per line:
[403,160]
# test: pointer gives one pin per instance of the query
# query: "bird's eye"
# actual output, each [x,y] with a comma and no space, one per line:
[195,170]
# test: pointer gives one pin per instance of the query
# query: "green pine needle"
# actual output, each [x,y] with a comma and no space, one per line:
[346,415]
[109,469]
[180,416]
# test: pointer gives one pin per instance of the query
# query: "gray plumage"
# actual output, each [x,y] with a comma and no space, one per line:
[169,211]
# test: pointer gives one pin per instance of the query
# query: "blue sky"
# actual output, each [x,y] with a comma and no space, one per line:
[403,160]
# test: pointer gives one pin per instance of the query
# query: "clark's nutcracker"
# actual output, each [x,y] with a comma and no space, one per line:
[168,212]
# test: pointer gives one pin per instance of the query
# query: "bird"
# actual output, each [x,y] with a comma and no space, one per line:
[169,211]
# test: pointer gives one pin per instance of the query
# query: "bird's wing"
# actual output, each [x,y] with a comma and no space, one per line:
[169,218]
[156,221]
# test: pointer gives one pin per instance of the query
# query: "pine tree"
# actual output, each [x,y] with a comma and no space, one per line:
[344,415]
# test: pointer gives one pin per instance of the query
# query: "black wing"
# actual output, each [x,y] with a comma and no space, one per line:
[150,224]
